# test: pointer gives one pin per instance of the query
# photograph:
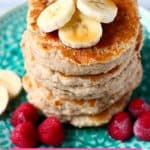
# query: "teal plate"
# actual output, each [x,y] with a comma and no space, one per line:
[12,26]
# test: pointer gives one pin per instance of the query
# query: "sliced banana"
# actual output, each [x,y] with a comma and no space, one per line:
[81,32]
[11,81]
[56,15]
[103,11]
[4,99]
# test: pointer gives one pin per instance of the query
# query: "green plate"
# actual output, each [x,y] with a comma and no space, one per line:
[12,26]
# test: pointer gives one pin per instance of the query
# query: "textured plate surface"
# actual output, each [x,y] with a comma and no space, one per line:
[12,26]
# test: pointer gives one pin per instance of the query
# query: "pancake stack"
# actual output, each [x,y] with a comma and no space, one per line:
[84,87]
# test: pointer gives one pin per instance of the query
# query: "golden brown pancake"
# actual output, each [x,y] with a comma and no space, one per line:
[80,96]
[80,119]
[102,118]
[72,83]
[118,37]
[105,85]
[38,94]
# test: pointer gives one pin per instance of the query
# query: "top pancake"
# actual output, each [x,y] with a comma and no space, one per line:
[118,37]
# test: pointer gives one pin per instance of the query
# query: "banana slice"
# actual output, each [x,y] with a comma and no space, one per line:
[56,15]
[81,32]
[103,11]
[4,99]
[11,81]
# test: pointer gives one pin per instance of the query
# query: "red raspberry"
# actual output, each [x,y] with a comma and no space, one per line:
[138,106]
[121,126]
[142,126]
[24,135]
[51,131]
[25,112]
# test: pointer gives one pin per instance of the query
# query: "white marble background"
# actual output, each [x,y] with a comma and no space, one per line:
[5,5]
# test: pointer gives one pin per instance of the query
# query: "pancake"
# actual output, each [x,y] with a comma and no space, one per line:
[46,100]
[100,90]
[46,74]
[113,49]
[83,87]
[102,118]
[86,120]
[76,86]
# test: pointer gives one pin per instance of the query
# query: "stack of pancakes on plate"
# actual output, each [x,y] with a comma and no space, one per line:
[83,87]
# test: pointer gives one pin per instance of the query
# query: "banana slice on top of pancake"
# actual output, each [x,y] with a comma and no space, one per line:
[56,15]
[81,32]
[103,11]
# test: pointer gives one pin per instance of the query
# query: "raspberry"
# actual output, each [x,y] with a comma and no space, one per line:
[142,126]
[25,112]
[138,106]
[51,131]
[121,126]
[24,135]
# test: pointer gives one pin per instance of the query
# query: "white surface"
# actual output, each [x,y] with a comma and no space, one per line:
[145,3]
[5,5]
